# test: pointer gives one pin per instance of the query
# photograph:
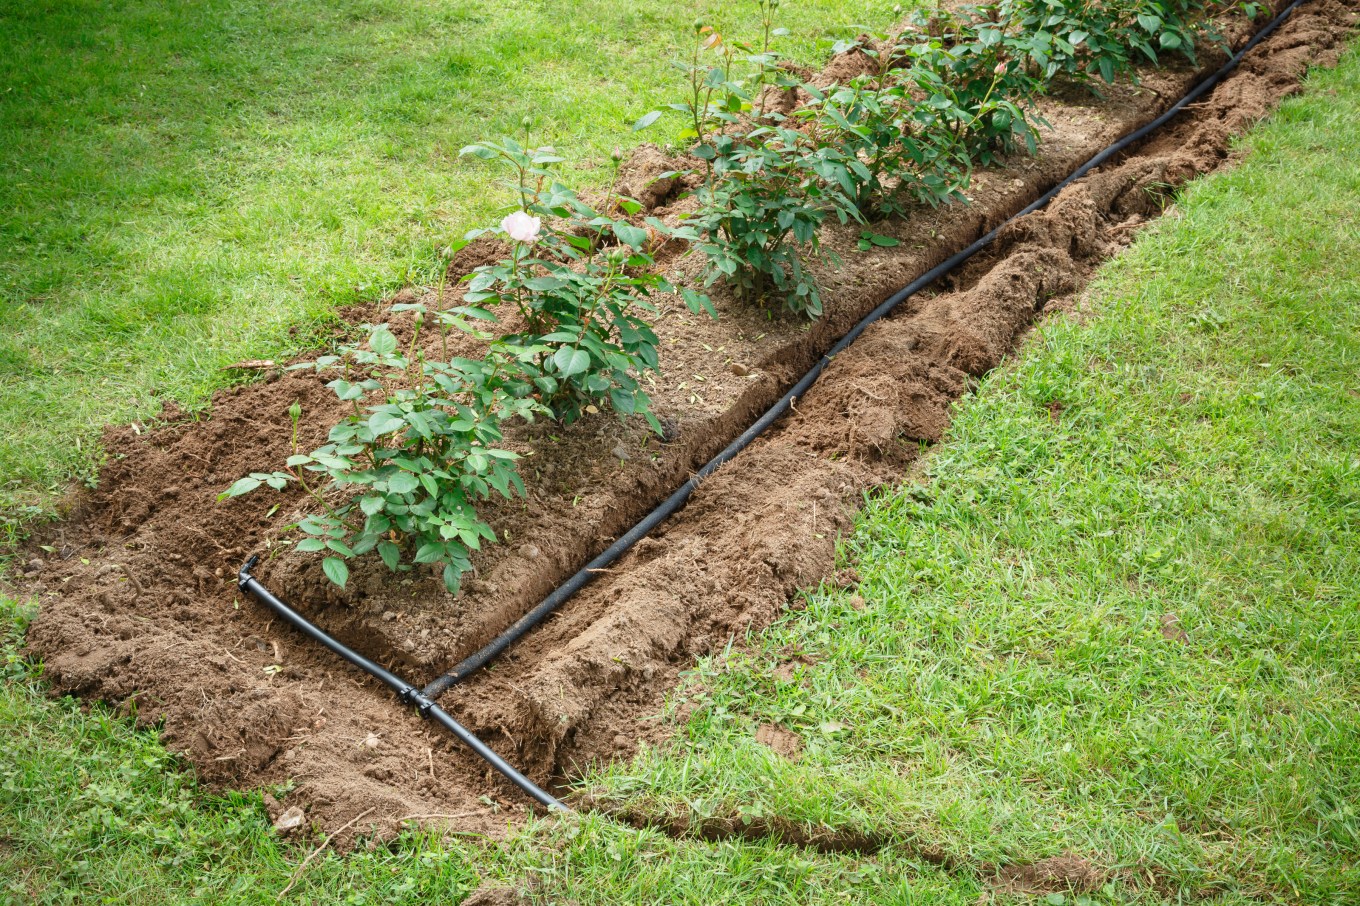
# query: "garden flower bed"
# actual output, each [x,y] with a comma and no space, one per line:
[139,603]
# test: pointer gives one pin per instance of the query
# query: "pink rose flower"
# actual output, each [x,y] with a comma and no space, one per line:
[521,227]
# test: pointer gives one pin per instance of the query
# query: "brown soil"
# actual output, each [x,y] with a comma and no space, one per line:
[780,741]
[1067,873]
[139,606]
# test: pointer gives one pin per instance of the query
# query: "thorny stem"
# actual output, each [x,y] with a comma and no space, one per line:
[414,355]
[519,287]
[767,22]
[439,308]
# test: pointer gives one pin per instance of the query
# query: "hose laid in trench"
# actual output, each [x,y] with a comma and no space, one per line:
[564,592]
[424,699]
[405,691]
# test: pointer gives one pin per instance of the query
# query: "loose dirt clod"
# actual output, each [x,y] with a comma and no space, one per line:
[495,896]
[781,741]
[759,529]
[1067,873]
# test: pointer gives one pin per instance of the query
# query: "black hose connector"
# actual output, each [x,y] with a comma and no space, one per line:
[564,592]
[406,693]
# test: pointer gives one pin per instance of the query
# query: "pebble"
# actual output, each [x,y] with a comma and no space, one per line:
[289,820]
[389,615]
[35,565]
[739,369]
[530,551]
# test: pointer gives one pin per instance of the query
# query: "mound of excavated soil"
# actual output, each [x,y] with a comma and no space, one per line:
[139,606]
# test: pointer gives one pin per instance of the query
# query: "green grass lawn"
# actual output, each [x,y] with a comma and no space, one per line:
[186,182]
[1003,690]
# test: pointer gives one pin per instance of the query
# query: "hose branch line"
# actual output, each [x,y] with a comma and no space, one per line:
[406,693]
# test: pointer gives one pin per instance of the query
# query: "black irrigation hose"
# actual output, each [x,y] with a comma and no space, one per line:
[564,592]
[423,700]
[405,691]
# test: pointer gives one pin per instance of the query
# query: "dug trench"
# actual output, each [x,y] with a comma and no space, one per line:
[138,606]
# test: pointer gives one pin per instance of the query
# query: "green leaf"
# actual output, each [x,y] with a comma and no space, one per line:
[244,486]
[545,284]
[390,553]
[382,342]
[403,483]
[697,302]
[633,237]
[646,120]
[571,361]
[340,548]
[421,422]
[478,151]
[381,423]
[310,545]
[429,553]
[335,570]
[882,241]
[559,336]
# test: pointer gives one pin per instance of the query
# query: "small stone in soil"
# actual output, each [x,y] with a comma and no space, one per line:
[739,369]
[289,820]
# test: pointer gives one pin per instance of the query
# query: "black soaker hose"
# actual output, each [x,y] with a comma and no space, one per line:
[405,691]
[672,503]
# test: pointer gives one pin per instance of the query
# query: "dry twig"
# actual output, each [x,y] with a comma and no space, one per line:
[297,874]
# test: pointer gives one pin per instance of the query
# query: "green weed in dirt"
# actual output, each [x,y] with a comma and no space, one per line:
[1013,686]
